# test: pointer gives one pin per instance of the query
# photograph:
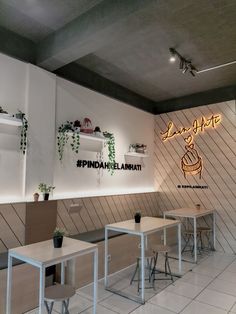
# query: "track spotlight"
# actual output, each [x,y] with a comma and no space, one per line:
[172,55]
[181,64]
[184,64]
[185,69]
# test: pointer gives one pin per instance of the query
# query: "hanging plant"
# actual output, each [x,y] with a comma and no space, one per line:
[110,142]
[24,129]
[63,138]
[75,142]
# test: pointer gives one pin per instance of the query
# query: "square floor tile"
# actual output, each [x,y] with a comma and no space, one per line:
[184,288]
[87,292]
[77,304]
[196,279]
[170,301]
[36,311]
[100,310]
[216,263]
[119,304]
[149,308]
[232,267]
[201,308]
[217,299]
[207,270]
[227,276]
[223,286]
[233,309]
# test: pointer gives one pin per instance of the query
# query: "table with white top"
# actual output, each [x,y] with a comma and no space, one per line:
[193,213]
[42,255]
[146,226]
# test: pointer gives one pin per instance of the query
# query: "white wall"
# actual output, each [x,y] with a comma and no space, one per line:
[128,124]
[48,101]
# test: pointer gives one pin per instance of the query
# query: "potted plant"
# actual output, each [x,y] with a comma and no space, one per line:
[58,237]
[3,111]
[45,189]
[137,217]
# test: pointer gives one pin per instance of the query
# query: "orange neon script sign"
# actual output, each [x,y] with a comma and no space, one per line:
[198,125]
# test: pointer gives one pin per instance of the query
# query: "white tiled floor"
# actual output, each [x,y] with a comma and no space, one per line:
[206,288]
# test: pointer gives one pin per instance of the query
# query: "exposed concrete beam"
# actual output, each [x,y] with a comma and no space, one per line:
[195,100]
[17,46]
[87,33]
[80,75]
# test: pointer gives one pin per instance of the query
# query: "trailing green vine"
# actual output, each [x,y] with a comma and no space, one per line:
[75,142]
[63,138]
[24,130]
[110,141]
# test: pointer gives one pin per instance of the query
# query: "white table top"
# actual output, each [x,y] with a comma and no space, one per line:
[44,253]
[146,225]
[189,212]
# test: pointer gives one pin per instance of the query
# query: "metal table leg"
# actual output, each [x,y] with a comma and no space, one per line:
[95,280]
[9,284]
[142,268]
[195,238]
[214,230]
[106,259]
[179,245]
[41,289]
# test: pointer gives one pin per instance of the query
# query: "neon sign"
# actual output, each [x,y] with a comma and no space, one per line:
[191,162]
[197,126]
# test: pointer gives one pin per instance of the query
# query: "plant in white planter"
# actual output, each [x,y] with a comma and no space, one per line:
[45,189]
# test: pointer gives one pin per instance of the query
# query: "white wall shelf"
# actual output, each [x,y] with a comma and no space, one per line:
[133,154]
[8,120]
[90,142]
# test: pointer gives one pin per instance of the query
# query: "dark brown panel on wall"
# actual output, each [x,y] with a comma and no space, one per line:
[40,221]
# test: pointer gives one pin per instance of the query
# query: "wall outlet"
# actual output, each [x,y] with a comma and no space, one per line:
[109,257]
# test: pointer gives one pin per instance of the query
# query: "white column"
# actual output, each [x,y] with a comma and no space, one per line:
[40,111]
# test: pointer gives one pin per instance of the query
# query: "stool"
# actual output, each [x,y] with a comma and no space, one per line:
[164,249]
[205,231]
[58,293]
[190,235]
[149,259]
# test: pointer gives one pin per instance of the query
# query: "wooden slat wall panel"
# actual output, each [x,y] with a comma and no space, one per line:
[108,209]
[218,150]
[12,225]
[95,213]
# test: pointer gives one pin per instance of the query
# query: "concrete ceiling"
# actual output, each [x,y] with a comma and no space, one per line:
[122,47]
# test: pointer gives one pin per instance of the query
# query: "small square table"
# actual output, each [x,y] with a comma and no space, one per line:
[193,213]
[42,255]
[146,226]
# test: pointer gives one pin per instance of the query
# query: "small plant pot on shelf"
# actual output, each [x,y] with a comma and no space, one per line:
[46,196]
[137,218]
[57,241]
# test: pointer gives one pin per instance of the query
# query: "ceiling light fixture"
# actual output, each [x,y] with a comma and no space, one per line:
[184,65]
[172,55]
